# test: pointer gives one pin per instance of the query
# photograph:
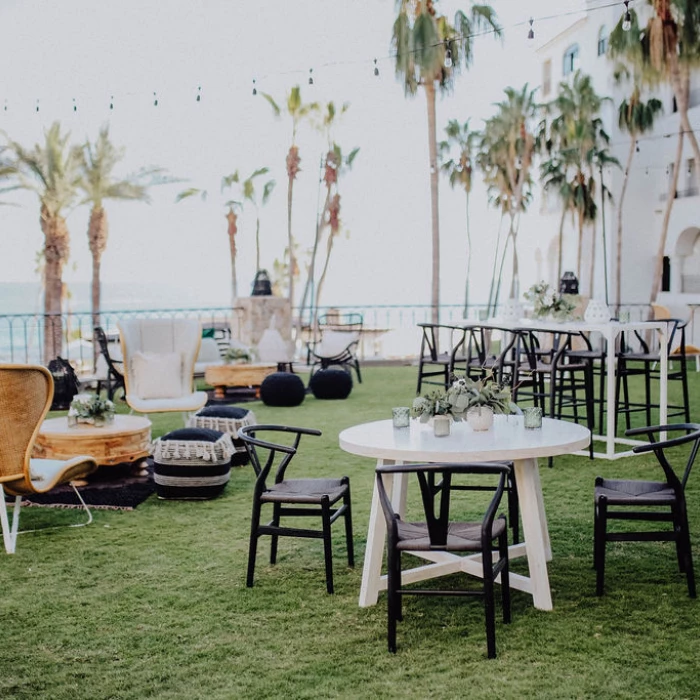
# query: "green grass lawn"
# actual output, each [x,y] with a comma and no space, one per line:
[153,602]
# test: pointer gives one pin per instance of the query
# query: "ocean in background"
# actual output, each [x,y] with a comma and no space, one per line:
[26,297]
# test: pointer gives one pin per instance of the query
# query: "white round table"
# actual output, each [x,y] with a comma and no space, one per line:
[507,440]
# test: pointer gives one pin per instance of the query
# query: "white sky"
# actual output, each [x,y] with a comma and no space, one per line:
[90,51]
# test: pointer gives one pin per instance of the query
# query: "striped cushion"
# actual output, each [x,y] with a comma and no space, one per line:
[227,419]
[192,463]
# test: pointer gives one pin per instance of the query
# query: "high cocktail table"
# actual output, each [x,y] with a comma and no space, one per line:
[223,376]
[507,440]
[127,439]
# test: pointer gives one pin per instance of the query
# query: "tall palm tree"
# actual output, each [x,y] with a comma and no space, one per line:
[98,184]
[461,140]
[298,111]
[421,39]
[329,118]
[336,164]
[257,199]
[52,171]
[636,117]
[508,145]
[8,174]
[577,136]
[665,50]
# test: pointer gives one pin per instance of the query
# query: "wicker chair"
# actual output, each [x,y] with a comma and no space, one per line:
[26,392]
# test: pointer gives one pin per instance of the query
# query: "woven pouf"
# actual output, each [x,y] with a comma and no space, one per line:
[331,384]
[226,419]
[282,389]
[192,463]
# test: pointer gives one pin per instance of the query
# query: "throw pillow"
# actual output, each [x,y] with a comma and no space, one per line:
[158,375]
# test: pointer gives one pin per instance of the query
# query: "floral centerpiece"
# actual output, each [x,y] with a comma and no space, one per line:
[464,399]
[237,356]
[90,409]
[547,302]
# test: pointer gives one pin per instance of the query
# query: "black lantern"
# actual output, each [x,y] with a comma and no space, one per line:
[261,284]
[65,384]
[568,283]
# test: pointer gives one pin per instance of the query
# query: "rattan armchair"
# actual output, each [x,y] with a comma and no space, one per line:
[26,392]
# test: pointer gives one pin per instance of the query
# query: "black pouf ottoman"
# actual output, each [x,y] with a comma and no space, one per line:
[192,463]
[226,419]
[331,384]
[282,389]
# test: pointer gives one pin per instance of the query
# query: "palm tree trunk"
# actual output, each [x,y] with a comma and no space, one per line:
[560,251]
[98,232]
[290,241]
[56,251]
[257,243]
[623,192]
[515,280]
[580,244]
[659,263]
[232,230]
[469,262]
[322,279]
[492,289]
[432,150]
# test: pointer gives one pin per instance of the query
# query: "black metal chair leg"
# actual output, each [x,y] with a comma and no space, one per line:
[489,607]
[274,538]
[253,545]
[327,548]
[348,527]
[600,541]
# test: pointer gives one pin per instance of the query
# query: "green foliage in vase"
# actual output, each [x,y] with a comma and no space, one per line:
[236,355]
[547,302]
[90,406]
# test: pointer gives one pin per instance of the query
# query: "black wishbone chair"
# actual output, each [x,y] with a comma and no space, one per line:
[438,532]
[656,501]
[292,497]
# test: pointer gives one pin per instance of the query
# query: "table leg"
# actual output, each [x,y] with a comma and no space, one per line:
[376,539]
[610,407]
[537,544]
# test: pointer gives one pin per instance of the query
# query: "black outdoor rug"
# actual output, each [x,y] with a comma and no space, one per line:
[109,488]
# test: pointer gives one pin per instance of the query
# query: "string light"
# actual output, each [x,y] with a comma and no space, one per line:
[75,106]
[448,56]
[627,19]
[531,33]
[376,69]
[255,90]
[311,77]
[155,100]
[199,94]
[637,146]
[111,101]
[6,105]
[37,105]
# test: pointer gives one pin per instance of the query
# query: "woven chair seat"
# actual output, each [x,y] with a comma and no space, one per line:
[461,537]
[305,491]
[620,492]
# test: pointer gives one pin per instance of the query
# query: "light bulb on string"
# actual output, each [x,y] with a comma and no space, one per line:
[155,99]
[75,106]
[111,101]
[627,19]
[5,108]
[376,68]
[255,90]
[531,33]
[199,94]
[448,57]
[311,77]
[637,146]
[37,105]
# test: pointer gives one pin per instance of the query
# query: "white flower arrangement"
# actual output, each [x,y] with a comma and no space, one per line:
[547,302]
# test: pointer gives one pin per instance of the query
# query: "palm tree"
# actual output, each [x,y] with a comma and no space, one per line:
[52,171]
[665,51]
[506,152]
[8,174]
[636,117]
[336,164]
[298,111]
[99,184]
[459,169]
[250,194]
[331,167]
[577,137]
[428,52]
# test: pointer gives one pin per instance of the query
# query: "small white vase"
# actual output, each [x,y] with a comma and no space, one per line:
[596,312]
[442,426]
[480,418]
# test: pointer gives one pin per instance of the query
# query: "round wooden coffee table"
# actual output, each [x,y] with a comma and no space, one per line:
[222,376]
[127,439]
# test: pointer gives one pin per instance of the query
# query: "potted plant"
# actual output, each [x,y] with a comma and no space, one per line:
[434,407]
[476,401]
[90,409]
[548,304]
[236,356]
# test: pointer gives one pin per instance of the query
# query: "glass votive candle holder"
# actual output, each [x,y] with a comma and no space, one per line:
[532,417]
[401,416]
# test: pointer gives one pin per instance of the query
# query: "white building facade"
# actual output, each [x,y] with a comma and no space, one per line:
[582,45]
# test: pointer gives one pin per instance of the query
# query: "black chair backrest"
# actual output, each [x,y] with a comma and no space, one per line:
[65,382]
[265,454]
[675,338]
[101,337]
[435,484]
[341,322]
[657,446]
